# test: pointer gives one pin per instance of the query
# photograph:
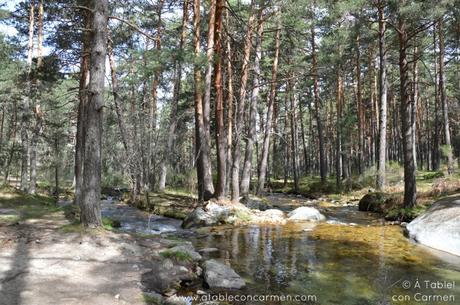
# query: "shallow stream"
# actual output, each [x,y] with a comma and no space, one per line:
[352,259]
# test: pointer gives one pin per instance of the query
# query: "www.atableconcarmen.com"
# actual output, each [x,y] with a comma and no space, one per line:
[427,291]
[224,297]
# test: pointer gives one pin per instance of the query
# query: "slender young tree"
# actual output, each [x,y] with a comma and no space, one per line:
[38,114]
[25,116]
[443,99]
[173,117]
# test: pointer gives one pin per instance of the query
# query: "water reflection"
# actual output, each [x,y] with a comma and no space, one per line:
[340,264]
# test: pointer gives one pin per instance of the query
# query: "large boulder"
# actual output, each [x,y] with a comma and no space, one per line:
[270,216]
[306,213]
[211,214]
[219,275]
[373,202]
[439,226]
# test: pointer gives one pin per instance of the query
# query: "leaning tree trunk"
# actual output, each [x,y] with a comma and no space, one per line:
[410,188]
[252,136]
[268,122]
[90,204]
[382,100]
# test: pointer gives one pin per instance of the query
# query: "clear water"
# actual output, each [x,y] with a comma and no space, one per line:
[365,263]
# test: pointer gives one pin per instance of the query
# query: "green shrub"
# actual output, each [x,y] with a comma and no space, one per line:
[180,256]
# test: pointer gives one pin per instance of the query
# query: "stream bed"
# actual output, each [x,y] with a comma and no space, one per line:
[351,259]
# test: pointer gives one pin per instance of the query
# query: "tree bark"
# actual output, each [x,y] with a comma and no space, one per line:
[205,186]
[319,124]
[436,152]
[229,105]
[81,112]
[270,104]
[252,136]
[410,187]
[90,204]
[338,152]
[294,135]
[37,129]
[173,117]
[445,107]
[221,140]
[382,99]
[25,115]
[240,109]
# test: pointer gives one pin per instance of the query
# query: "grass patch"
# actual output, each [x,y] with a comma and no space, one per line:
[405,214]
[180,256]
[27,206]
[110,223]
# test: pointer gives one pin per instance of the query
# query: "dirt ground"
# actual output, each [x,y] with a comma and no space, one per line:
[40,264]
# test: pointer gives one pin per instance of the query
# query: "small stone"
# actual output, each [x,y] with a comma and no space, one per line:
[117,296]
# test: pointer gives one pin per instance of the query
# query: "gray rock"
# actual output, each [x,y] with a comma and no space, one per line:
[185,248]
[306,213]
[210,215]
[219,275]
[439,226]
[166,276]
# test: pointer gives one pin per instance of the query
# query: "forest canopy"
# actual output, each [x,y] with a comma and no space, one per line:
[227,98]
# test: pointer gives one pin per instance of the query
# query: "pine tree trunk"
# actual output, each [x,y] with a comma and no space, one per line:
[90,204]
[338,152]
[270,104]
[436,152]
[152,122]
[294,135]
[230,106]
[414,105]
[382,100]
[239,120]
[410,188]
[205,186]
[173,117]
[252,136]
[444,104]
[37,129]
[25,115]
[81,112]
[319,123]
[219,107]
